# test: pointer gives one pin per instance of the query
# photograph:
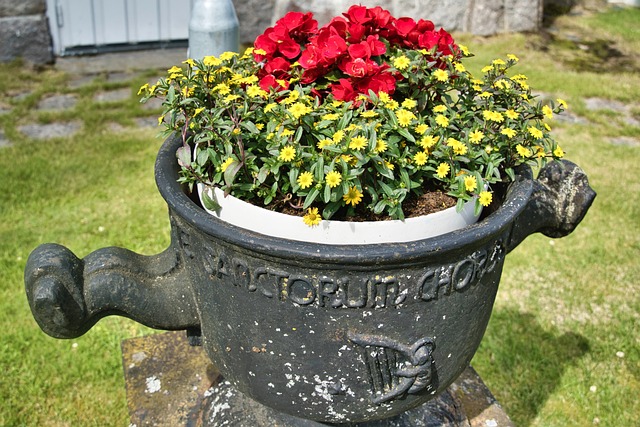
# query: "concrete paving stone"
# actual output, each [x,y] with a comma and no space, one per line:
[4,141]
[19,96]
[114,127]
[117,77]
[568,117]
[152,104]
[605,104]
[155,80]
[113,95]
[57,102]
[626,141]
[632,121]
[79,80]
[50,130]
[147,122]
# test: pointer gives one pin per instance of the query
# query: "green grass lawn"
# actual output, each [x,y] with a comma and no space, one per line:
[563,344]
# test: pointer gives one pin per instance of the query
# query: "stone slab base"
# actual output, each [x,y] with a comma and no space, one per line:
[170,383]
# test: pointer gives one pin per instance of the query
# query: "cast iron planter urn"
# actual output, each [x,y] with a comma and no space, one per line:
[316,333]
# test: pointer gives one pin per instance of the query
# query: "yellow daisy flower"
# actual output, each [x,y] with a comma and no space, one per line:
[420,158]
[442,120]
[358,142]
[523,151]
[333,179]
[287,153]
[305,179]
[511,114]
[441,75]
[401,62]
[228,162]
[508,132]
[298,110]
[421,128]
[409,103]
[485,198]
[312,217]
[381,146]
[338,136]
[405,117]
[476,136]
[470,183]
[535,132]
[442,170]
[352,197]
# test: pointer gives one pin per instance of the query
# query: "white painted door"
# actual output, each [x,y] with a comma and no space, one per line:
[86,26]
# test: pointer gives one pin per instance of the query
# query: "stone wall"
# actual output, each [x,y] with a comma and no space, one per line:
[480,17]
[24,31]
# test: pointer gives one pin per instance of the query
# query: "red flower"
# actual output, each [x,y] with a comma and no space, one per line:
[276,40]
[311,57]
[440,39]
[331,45]
[380,82]
[358,67]
[343,90]
[299,25]
[277,66]
[360,50]
[269,82]
[274,70]
[376,46]
[404,26]
[380,18]
[358,14]
[350,48]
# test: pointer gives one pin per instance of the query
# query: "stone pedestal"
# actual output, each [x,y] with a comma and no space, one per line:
[170,383]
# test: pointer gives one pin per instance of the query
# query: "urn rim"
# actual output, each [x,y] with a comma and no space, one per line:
[180,204]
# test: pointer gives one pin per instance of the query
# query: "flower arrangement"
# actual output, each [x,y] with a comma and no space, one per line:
[360,114]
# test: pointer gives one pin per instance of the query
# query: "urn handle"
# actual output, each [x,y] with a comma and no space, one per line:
[68,295]
[560,200]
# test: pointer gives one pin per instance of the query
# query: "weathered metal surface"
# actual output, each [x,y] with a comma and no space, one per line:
[333,334]
[171,384]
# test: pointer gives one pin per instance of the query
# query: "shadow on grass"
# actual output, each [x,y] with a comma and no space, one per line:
[523,362]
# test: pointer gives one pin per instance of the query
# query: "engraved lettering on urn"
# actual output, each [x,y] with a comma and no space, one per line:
[395,369]
[301,291]
[458,277]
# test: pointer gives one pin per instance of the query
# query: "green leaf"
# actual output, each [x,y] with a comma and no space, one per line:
[210,202]
[330,209]
[383,170]
[387,190]
[379,207]
[250,126]
[477,209]
[406,134]
[231,172]
[311,197]
[510,173]
[327,194]
[293,177]
[184,155]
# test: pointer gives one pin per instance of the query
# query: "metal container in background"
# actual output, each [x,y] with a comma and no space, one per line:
[213,28]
